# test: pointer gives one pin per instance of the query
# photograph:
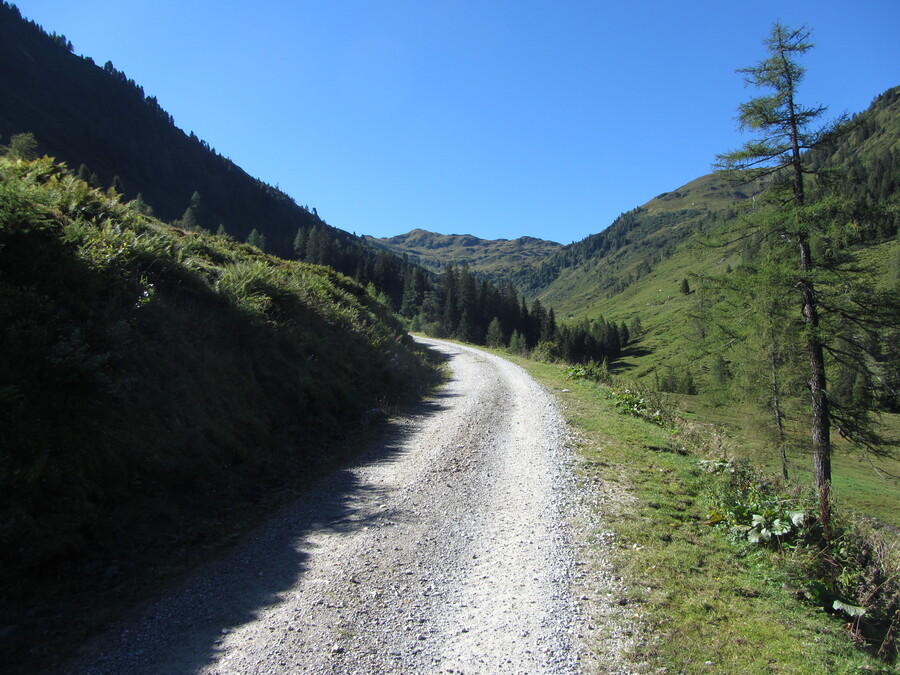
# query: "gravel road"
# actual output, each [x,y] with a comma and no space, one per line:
[451,546]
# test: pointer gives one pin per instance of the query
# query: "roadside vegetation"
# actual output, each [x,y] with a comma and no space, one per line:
[723,561]
[783,323]
[159,386]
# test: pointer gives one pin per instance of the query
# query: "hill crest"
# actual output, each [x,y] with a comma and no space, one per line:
[492,258]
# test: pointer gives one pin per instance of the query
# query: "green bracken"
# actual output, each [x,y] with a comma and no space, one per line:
[155,382]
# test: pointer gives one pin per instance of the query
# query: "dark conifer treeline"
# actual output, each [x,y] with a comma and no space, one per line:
[458,305]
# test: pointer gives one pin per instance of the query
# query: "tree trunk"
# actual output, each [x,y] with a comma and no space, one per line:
[779,419]
[821,422]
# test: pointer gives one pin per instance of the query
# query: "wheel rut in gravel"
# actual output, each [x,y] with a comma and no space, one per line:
[445,548]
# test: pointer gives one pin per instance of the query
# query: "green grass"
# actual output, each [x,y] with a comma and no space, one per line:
[709,604]
[870,487]
[671,340]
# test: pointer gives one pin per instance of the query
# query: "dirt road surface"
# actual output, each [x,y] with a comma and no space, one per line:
[448,547]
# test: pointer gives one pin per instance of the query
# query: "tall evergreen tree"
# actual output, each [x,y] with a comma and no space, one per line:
[784,125]
[141,206]
[801,220]
[84,173]
[300,242]
[494,333]
[257,239]
[23,146]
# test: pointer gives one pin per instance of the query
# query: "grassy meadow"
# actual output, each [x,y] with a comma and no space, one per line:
[672,342]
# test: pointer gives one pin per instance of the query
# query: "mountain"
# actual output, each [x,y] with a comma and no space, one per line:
[651,249]
[108,131]
[592,270]
[575,276]
[98,118]
[496,259]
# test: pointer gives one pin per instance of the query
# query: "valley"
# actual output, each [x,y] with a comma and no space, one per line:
[237,438]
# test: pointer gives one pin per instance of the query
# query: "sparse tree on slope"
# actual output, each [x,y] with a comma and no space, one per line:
[800,217]
[23,146]
[784,127]
[257,238]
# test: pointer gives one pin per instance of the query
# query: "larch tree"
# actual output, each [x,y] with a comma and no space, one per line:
[784,128]
[808,229]
[23,146]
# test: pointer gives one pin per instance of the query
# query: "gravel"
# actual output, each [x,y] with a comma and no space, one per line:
[456,544]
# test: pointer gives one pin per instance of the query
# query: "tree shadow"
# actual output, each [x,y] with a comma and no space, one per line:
[183,631]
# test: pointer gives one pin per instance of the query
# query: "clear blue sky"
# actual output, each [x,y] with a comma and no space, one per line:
[494,118]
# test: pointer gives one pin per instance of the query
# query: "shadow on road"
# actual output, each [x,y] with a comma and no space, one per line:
[182,632]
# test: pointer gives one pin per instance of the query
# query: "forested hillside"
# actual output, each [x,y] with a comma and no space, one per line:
[113,135]
[111,132]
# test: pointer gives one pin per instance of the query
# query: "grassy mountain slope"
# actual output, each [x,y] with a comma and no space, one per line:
[605,264]
[597,270]
[673,342]
[680,328]
[154,380]
[869,154]
[496,259]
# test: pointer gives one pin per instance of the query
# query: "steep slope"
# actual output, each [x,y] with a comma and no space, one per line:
[154,383]
[87,115]
[493,259]
[590,275]
[696,322]
[869,156]
[604,264]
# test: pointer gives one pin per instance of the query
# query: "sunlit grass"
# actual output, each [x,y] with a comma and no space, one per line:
[711,605]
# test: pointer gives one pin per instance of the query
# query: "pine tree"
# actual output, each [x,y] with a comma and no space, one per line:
[140,206]
[784,125]
[414,285]
[23,146]
[517,343]
[637,328]
[300,243]
[257,239]
[84,174]
[494,333]
[189,220]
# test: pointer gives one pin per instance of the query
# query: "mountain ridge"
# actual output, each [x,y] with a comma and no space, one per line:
[495,259]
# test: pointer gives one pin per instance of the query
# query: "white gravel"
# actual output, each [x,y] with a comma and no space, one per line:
[455,545]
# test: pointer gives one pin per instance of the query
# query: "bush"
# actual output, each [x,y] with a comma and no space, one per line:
[592,370]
